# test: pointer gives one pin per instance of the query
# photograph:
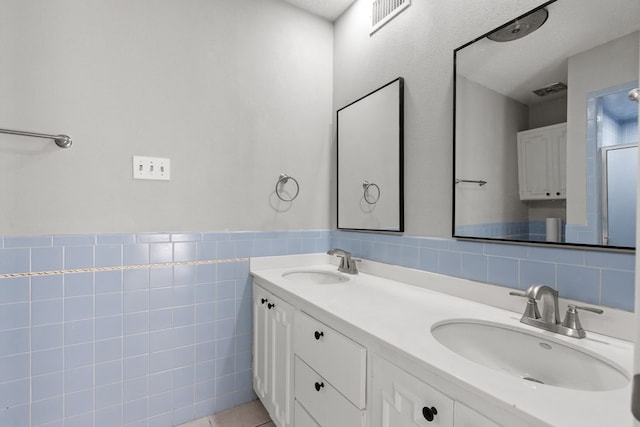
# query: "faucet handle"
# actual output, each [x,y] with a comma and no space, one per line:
[591,309]
[572,321]
[531,310]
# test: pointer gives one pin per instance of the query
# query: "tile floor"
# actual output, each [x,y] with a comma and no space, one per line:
[250,414]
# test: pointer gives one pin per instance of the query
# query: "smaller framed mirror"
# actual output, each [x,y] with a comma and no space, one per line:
[370,160]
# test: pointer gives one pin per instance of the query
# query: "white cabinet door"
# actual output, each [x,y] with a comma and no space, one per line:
[273,355]
[532,167]
[560,155]
[280,371]
[542,167]
[260,334]
[401,400]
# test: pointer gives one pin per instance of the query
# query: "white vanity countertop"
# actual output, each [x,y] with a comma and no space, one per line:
[402,316]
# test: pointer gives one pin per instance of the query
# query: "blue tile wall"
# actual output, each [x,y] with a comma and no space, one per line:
[595,277]
[629,131]
[498,230]
[128,339]
[534,231]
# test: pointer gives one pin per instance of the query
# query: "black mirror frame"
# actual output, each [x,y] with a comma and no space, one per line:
[400,229]
[453,177]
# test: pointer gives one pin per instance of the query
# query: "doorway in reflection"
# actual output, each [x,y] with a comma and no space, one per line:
[612,137]
[617,142]
[619,175]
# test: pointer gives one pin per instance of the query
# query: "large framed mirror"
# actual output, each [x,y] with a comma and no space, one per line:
[370,160]
[545,135]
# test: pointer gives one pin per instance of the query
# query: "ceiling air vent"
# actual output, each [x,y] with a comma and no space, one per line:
[383,11]
[552,88]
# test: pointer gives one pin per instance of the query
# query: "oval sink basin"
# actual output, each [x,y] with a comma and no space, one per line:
[318,277]
[529,356]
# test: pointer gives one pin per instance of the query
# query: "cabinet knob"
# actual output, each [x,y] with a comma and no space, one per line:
[558,193]
[318,334]
[263,300]
[270,306]
[429,413]
[548,194]
[319,386]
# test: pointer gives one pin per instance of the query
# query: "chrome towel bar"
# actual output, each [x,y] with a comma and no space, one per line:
[473,181]
[62,141]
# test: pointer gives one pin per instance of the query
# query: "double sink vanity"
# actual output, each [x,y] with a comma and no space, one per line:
[392,346]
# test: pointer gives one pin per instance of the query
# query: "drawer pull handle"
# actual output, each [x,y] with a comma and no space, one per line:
[429,413]
[319,386]
[318,334]
[263,300]
[270,306]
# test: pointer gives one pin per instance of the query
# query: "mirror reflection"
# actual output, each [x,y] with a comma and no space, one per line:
[370,156]
[545,133]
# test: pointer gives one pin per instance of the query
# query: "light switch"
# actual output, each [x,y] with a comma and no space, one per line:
[157,168]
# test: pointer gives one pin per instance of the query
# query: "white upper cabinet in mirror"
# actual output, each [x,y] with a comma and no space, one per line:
[543,123]
[370,160]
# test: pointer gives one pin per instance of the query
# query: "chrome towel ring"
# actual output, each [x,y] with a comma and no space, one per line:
[367,185]
[282,180]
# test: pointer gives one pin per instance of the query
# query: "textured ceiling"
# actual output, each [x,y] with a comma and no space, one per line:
[516,68]
[328,9]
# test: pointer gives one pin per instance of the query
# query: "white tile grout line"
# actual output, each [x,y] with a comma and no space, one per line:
[121,267]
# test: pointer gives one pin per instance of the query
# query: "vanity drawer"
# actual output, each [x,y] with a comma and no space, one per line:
[338,359]
[322,401]
[302,417]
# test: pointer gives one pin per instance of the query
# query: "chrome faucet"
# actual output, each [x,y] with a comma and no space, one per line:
[347,263]
[549,320]
[549,296]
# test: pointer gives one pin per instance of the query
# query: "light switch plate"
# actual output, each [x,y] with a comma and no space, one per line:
[157,168]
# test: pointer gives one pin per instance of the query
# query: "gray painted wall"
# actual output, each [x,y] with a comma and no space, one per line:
[233,92]
[487,149]
[418,45]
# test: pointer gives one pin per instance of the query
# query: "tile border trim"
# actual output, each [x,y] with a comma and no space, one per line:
[122,267]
